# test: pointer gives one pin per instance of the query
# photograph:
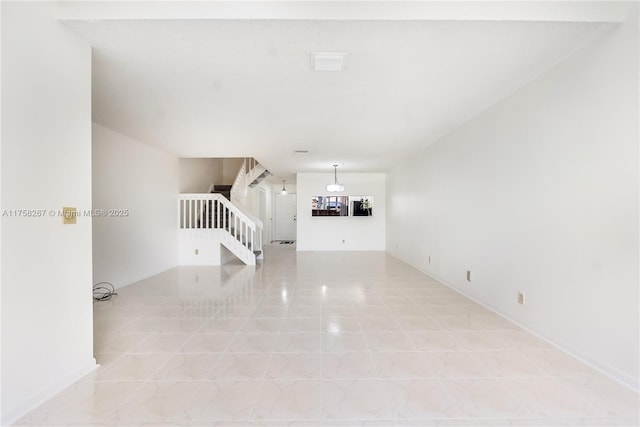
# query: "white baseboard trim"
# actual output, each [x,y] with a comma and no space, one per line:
[611,372]
[128,281]
[45,394]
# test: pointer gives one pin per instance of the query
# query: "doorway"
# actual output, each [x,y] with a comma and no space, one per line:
[285,212]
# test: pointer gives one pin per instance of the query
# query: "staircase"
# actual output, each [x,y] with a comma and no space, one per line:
[215,218]
[219,216]
[225,190]
[251,174]
[256,172]
[212,211]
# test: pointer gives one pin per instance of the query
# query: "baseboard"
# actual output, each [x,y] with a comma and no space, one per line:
[45,394]
[611,372]
[130,282]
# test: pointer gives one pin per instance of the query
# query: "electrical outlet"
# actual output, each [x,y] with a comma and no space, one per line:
[429,259]
[468,275]
[197,251]
[521,298]
[342,240]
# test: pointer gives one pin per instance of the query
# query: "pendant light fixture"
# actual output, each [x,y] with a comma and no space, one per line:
[335,187]
[284,190]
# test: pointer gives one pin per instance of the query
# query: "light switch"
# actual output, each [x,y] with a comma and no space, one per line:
[69,215]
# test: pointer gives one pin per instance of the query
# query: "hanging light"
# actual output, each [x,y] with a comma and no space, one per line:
[335,187]
[284,190]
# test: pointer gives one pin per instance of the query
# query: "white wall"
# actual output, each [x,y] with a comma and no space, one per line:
[47,337]
[197,174]
[128,174]
[1,386]
[230,168]
[292,188]
[327,233]
[209,251]
[540,194]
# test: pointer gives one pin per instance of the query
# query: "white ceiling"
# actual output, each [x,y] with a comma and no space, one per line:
[244,87]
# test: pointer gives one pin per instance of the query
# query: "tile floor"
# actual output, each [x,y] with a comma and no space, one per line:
[322,339]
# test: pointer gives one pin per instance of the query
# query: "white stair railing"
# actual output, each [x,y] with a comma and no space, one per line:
[240,184]
[201,212]
[250,173]
[254,172]
[240,190]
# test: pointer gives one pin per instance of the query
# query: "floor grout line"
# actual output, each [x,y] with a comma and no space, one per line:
[392,303]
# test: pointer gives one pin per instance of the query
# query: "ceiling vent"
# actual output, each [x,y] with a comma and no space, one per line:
[301,151]
[329,61]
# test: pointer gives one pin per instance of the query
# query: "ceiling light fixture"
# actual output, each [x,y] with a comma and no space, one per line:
[284,190]
[335,187]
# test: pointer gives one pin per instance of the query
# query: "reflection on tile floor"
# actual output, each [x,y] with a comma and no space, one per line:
[322,339]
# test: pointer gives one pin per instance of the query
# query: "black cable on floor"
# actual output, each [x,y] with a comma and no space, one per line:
[103,291]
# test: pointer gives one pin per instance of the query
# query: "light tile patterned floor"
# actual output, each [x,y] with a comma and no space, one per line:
[323,339]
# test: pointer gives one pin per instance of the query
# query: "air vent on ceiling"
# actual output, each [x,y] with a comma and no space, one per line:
[329,61]
[301,151]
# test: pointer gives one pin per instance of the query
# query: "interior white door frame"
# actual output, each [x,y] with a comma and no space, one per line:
[291,217]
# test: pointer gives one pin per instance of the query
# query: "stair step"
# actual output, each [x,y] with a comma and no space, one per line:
[225,193]
[221,187]
[259,178]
